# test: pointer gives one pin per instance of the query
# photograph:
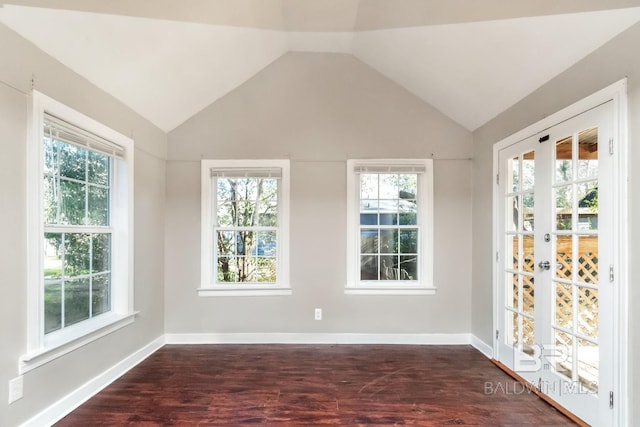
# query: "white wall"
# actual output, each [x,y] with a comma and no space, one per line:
[612,62]
[20,61]
[319,110]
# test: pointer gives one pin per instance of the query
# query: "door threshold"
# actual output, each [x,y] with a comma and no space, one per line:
[540,394]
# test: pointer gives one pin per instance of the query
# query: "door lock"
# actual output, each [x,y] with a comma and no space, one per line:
[544,265]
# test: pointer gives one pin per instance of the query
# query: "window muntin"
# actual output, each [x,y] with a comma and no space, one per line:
[390,226]
[77,229]
[246,230]
[245,227]
[80,242]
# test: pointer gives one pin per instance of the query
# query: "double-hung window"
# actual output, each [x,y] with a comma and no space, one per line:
[245,227]
[390,217]
[81,186]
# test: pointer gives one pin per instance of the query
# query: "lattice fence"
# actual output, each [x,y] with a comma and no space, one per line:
[586,298]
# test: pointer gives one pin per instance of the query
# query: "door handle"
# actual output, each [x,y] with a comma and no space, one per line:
[544,265]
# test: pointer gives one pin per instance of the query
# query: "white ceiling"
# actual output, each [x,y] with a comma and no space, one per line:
[169,69]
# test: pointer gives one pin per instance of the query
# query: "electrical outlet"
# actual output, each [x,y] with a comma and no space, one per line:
[16,387]
[318,314]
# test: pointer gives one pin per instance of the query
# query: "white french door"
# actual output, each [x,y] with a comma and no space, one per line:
[555,270]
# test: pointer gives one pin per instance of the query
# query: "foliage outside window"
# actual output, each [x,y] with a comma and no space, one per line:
[390,211]
[77,239]
[80,216]
[245,206]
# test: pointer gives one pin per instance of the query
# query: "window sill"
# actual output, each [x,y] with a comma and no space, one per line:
[66,343]
[362,290]
[247,292]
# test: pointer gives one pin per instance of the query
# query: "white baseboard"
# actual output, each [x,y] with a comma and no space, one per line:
[318,338]
[482,346]
[76,398]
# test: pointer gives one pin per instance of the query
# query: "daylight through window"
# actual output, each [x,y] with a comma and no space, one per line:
[390,217]
[247,223]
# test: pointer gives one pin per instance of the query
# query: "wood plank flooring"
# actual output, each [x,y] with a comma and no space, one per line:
[350,385]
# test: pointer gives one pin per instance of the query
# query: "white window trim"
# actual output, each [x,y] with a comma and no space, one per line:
[40,348]
[207,286]
[425,285]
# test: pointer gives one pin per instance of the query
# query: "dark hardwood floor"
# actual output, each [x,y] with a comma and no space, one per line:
[306,385]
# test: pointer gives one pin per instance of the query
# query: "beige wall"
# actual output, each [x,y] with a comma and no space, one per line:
[47,384]
[319,110]
[612,62]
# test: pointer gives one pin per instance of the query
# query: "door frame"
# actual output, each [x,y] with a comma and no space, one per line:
[616,93]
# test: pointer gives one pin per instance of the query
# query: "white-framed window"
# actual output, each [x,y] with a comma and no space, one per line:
[80,242]
[390,227]
[245,227]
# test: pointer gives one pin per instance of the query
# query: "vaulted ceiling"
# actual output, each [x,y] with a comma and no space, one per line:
[169,59]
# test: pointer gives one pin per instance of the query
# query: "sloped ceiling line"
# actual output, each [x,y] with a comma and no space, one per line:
[168,70]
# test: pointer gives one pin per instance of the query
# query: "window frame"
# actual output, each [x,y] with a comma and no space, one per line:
[424,285]
[42,347]
[208,284]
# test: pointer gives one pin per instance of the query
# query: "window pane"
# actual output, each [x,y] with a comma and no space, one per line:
[245,242]
[588,153]
[76,258]
[514,164]
[369,267]
[369,186]
[389,241]
[50,156]
[588,206]
[389,267]
[52,255]
[588,311]
[246,268]
[389,186]
[225,189]
[246,189]
[408,212]
[101,294]
[408,186]
[564,156]
[98,168]
[72,208]
[246,214]
[76,301]
[368,212]
[73,161]
[408,268]
[369,241]
[51,195]
[564,257]
[528,170]
[409,241]
[225,243]
[227,269]
[268,214]
[101,253]
[588,259]
[528,211]
[98,206]
[52,307]
[226,214]
[564,207]
[266,245]
[265,270]
[267,189]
